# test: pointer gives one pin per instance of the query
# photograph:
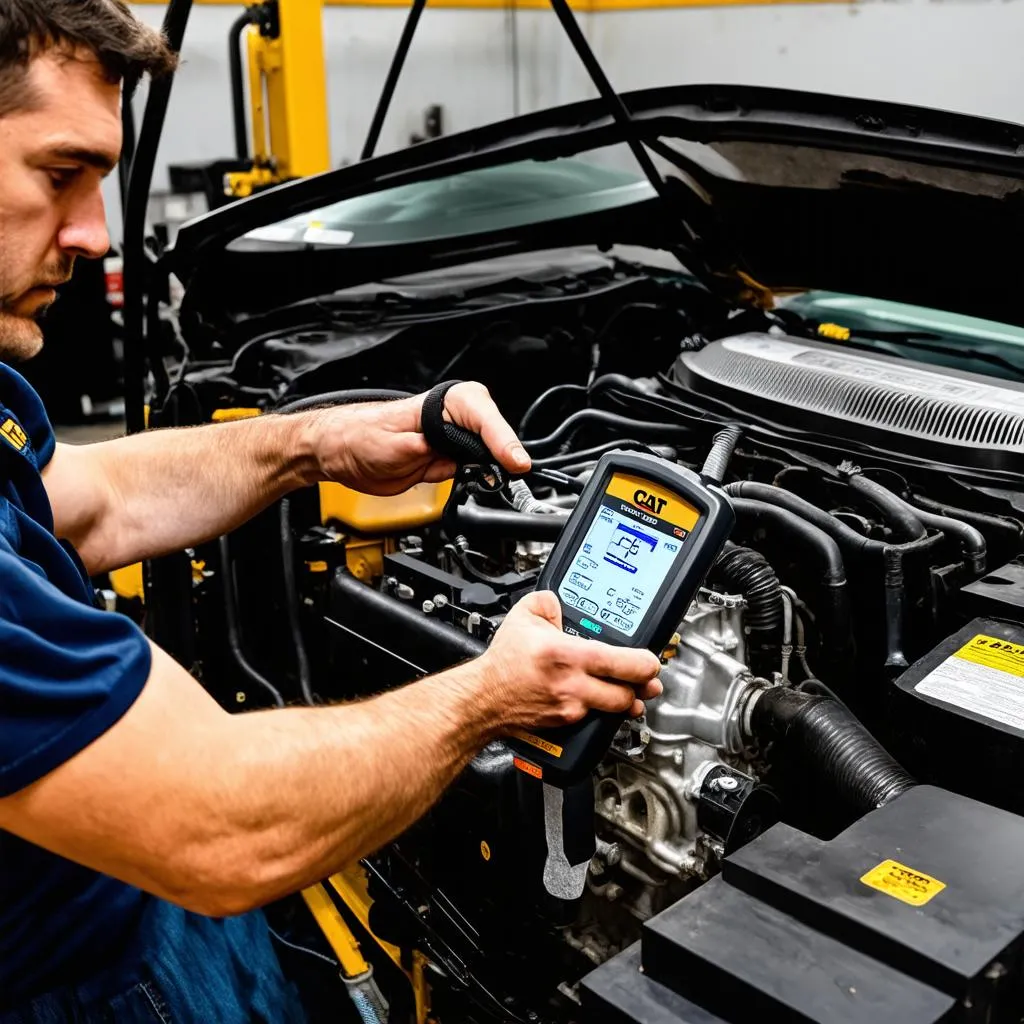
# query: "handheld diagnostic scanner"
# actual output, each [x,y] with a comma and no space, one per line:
[626,567]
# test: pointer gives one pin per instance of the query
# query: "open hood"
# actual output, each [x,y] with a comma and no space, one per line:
[778,190]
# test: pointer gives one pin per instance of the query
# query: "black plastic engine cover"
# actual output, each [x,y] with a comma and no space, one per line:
[957,715]
[914,914]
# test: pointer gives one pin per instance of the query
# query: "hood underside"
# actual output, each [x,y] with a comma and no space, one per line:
[783,190]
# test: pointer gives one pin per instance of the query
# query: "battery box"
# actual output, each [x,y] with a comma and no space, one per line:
[914,914]
[956,717]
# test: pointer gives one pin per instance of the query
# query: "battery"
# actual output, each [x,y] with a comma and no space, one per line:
[956,716]
[912,915]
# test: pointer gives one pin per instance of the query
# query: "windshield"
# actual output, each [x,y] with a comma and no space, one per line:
[916,332]
[490,199]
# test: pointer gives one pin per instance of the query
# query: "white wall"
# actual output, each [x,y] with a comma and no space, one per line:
[956,54]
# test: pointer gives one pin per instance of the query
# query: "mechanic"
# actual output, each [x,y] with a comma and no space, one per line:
[140,824]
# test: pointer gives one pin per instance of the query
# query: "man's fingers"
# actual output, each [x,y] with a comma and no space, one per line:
[470,405]
[544,604]
[650,690]
[610,697]
[620,663]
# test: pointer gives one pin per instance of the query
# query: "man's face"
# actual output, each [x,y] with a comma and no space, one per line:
[54,154]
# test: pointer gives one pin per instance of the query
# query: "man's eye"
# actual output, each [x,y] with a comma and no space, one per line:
[62,177]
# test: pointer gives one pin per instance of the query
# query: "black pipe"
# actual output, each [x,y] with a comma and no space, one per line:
[541,399]
[388,92]
[749,573]
[838,640]
[901,517]
[834,744]
[655,431]
[292,602]
[140,180]
[854,546]
[351,396]
[1010,528]
[430,644]
[972,541]
[238,26]
[586,454]
[231,620]
[824,548]
[476,521]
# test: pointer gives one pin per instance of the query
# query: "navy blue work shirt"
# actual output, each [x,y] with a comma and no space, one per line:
[68,672]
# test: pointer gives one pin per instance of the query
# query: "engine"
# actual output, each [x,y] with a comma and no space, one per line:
[878,506]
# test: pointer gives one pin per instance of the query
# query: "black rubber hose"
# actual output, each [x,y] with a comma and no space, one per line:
[400,626]
[476,521]
[972,541]
[231,621]
[835,598]
[750,574]
[349,397]
[835,744]
[1009,528]
[852,543]
[538,403]
[238,26]
[854,546]
[291,595]
[810,536]
[898,514]
[587,454]
[652,431]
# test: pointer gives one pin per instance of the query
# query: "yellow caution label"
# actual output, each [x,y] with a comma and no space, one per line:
[535,741]
[903,883]
[992,652]
[650,498]
[13,434]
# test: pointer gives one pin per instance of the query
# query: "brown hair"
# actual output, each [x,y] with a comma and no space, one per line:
[125,48]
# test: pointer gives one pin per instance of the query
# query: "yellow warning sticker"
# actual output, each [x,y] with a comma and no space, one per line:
[903,883]
[992,652]
[535,741]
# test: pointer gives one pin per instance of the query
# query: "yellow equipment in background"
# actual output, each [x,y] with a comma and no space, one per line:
[287,94]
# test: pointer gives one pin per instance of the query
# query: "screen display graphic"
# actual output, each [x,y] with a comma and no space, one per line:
[625,556]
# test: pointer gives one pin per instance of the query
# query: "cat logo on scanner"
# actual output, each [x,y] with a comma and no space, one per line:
[651,502]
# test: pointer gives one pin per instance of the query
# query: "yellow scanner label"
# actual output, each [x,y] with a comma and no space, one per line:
[653,500]
[535,741]
[903,883]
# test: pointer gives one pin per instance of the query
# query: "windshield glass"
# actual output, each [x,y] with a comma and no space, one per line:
[489,199]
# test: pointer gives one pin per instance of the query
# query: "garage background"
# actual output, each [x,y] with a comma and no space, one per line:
[481,61]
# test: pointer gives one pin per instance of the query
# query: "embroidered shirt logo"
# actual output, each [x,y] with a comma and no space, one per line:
[12,433]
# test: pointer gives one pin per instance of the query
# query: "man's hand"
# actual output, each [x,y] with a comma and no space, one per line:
[378,448]
[540,676]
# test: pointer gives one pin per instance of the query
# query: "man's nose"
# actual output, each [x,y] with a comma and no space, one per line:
[84,231]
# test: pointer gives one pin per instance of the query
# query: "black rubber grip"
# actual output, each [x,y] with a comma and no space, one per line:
[457,443]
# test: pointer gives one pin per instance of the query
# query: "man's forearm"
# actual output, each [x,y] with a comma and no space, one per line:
[165,490]
[346,780]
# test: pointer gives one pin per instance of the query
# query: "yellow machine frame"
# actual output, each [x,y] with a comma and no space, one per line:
[287,99]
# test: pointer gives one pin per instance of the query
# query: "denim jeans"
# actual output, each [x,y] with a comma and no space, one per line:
[186,969]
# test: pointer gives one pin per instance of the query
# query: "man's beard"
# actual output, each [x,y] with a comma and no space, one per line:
[21,337]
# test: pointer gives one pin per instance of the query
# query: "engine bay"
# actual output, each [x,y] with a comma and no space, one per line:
[819,674]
